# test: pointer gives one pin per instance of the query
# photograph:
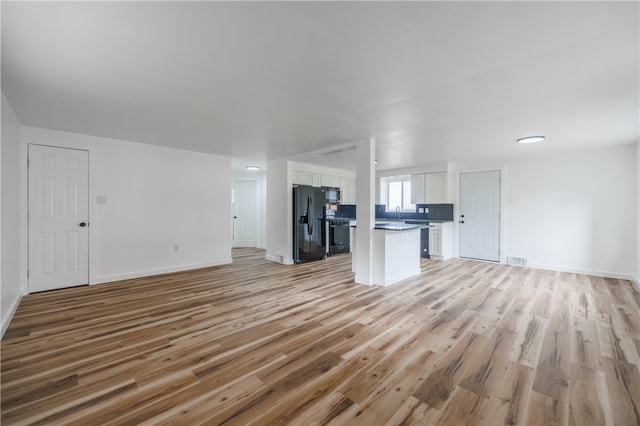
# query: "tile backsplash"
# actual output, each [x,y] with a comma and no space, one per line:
[436,212]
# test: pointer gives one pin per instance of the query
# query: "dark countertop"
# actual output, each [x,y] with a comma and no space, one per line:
[396,226]
[426,222]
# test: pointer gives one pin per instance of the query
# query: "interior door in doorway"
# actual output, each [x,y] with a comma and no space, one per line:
[244,213]
[480,215]
[58,217]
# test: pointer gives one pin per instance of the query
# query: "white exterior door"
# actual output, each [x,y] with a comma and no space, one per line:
[244,213]
[58,217]
[480,215]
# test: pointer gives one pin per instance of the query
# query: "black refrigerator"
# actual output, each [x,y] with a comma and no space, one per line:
[308,212]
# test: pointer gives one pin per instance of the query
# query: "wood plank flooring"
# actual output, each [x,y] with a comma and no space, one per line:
[260,343]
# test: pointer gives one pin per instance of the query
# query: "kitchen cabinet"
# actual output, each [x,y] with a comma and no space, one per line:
[317,180]
[435,242]
[305,178]
[441,240]
[435,188]
[429,188]
[348,186]
[417,189]
[352,191]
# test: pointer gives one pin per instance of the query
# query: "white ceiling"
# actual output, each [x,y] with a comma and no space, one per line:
[430,81]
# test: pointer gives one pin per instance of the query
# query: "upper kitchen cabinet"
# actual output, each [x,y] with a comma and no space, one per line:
[305,178]
[316,177]
[429,188]
[348,186]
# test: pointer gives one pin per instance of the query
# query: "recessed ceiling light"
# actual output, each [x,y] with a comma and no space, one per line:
[253,168]
[531,139]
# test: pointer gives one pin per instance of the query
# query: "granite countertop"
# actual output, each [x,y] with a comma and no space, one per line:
[396,227]
[427,221]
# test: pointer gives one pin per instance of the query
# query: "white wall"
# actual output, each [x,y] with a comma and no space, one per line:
[575,211]
[637,276]
[13,276]
[279,215]
[156,198]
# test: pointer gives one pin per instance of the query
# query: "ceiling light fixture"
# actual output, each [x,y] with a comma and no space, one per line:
[531,139]
[253,168]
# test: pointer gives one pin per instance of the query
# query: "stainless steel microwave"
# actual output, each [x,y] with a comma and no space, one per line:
[333,195]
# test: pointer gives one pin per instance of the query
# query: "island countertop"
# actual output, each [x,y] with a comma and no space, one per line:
[397,226]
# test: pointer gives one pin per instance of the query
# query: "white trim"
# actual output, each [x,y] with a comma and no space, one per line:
[387,281]
[160,271]
[9,315]
[582,271]
[362,280]
[636,283]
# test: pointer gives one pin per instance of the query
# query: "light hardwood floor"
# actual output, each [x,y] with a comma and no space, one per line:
[256,342]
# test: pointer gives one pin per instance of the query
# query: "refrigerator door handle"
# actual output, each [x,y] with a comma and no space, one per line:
[309,224]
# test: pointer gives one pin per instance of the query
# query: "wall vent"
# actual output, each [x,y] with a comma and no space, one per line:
[516,261]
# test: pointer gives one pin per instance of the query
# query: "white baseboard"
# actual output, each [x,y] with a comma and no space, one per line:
[636,282]
[8,316]
[159,271]
[399,277]
[596,273]
[359,279]
[261,247]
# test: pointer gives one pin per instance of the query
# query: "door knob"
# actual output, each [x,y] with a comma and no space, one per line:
[83,224]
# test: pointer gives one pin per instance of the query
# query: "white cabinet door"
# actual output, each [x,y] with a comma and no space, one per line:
[348,190]
[305,178]
[325,180]
[316,180]
[344,184]
[352,191]
[434,188]
[417,189]
[335,181]
[435,243]
[295,177]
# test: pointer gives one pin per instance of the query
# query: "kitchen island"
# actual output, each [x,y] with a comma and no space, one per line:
[396,252]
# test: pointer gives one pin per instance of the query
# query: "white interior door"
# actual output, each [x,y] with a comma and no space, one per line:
[480,215]
[244,213]
[58,217]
